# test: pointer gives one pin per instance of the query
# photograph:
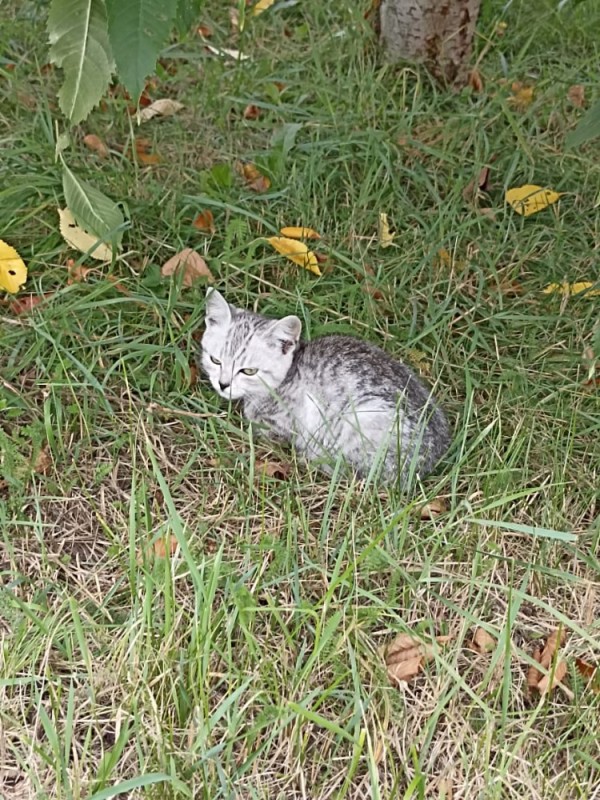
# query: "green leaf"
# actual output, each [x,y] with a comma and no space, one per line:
[138,31]
[93,211]
[587,128]
[79,44]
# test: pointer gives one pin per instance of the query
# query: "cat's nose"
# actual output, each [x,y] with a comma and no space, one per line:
[224,386]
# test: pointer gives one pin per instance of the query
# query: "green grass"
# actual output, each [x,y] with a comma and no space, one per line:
[248,665]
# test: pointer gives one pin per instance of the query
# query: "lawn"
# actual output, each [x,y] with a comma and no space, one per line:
[247,663]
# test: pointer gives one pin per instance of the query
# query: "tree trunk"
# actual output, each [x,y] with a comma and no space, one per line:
[436,33]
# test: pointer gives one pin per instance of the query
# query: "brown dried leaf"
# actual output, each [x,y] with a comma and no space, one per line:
[255,180]
[533,673]
[27,302]
[483,642]
[164,107]
[95,143]
[164,545]
[576,95]
[191,264]
[273,469]
[433,509]
[193,375]
[43,461]
[77,272]
[555,641]
[406,654]
[205,221]
[476,81]
[251,111]
[144,154]
[477,185]
[555,675]
[204,30]
[586,670]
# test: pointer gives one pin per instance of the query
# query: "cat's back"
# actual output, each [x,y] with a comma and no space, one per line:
[335,361]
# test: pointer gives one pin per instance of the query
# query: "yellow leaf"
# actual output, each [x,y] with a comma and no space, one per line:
[297,252]
[81,240]
[529,199]
[261,6]
[385,237]
[300,233]
[13,272]
[572,288]
[521,96]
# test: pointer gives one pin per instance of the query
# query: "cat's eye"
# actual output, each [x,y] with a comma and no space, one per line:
[249,371]
[215,361]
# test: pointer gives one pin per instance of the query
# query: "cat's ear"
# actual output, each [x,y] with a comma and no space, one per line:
[286,332]
[218,310]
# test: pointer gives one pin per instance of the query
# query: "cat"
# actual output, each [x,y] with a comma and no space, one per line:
[333,398]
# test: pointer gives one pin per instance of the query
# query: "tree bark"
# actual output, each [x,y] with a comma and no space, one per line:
[436,33]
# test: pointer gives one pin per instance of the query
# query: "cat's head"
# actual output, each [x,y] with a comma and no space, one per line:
[244,354]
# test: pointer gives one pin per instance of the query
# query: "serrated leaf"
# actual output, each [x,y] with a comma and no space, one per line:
[79,44]
[296,251]
[93,210]
[81,240]
[138,31]
[13,272]
[529,198]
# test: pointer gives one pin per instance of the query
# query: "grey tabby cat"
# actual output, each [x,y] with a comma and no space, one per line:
[335,397]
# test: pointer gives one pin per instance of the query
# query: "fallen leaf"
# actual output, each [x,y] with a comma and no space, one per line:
[13,272]
[43,461]
[383,231]
[297,252]
[144,154]
[26,303]
[191,264]
[529,198]
[273,469]
[164,545]
[234,19]
[586,670]
[433,509]
[500,28]
[261,6]
[260,185]
[477,185]
[444,259]
[576,95]
[487,212]
[406,654]
[251,111]
[555,675]
[165,107]
[193,375]
[568,289]
[77,273]
[95,143]
[483,642]
[80,239]
[522,96]
[255,180]
[205,221]
[476,81]
[533,673]
[300,233]
[550,661]
[204,30]
[226,52]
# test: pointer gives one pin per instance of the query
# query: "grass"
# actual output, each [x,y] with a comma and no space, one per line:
[248,664]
